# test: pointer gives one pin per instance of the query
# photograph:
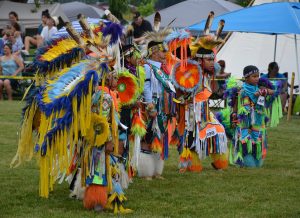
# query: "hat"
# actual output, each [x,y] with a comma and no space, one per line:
[55,19]
[249,70]
[136,15]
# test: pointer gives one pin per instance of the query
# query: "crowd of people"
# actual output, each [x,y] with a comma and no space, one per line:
[110,113]
[13,38]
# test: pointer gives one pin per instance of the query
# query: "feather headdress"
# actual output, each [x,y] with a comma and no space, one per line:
[155,40]
[208,41]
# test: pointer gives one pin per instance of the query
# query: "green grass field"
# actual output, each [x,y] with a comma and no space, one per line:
[272,191]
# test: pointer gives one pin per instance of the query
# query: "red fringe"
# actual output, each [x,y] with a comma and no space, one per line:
[95,194]
[221,164]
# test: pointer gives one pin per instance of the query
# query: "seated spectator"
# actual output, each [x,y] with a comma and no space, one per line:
[14,18]
[33,40]
[273,73]
[222,75]
[48,31]
[1,46]
[140,26]
[16,43]
[10,65]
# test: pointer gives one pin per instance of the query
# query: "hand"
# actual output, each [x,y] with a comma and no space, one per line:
[153,114]
[109,146]
[270,92]
[257,94]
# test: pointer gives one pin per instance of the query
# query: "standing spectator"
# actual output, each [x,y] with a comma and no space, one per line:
[140,26]
[33,40]
[48,31]
[10,65]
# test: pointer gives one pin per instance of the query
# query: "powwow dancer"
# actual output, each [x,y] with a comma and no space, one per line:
[158,98]
[130,88]
[70,134]
[246,117]
[198,133]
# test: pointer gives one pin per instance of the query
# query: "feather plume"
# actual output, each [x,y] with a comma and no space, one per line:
[92,48]
[111,17]
[74,34]
[208,23]
[220,28]
[157,20]
[86,27]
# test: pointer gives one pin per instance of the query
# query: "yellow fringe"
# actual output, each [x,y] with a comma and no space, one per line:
[114,131]
[108,173]
[44,177]
[25,145]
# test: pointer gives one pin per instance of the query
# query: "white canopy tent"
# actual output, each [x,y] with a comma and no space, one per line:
[189,12]
[243,49]
[72,9]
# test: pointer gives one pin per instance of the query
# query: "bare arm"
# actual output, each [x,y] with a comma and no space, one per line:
[223,75]
[20,64]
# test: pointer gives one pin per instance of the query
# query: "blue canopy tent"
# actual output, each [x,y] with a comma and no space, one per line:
[270,18]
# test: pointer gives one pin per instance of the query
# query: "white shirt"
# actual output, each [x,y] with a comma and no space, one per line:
[48,33]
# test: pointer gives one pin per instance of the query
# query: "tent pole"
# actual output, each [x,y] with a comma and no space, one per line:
[275,47]
[291,97]
[297,59]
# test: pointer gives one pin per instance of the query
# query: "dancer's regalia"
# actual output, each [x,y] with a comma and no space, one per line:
[198,133]
[159,109]
[66,125]
[246,117]
[130,88]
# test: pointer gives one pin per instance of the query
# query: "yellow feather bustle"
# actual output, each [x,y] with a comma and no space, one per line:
[57,158]
[25,145]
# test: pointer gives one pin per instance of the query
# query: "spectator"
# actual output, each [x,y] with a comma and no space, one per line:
[45,17]
[1,46]
[10,65]
[16,43]
[14,18]
[273,73]
[140,26]
[48,31]
[221,75]
[33,40]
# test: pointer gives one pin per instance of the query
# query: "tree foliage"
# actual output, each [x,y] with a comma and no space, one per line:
[118,7]
[147,7]
[243,3]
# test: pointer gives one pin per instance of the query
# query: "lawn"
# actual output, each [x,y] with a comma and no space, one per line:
[271,191]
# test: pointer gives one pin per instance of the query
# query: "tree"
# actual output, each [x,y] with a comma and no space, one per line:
[147,7]
[243,3]
[118,7]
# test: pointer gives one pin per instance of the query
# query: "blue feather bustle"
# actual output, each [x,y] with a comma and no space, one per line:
[63,102]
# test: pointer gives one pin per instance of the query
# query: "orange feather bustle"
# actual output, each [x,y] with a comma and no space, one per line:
[156,145]
[138,125]
[95,195]
[189,77]
[127,89]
